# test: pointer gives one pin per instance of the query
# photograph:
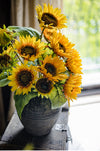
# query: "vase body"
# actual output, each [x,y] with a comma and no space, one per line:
[37,116]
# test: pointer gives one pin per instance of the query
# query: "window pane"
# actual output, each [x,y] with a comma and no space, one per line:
[84,30]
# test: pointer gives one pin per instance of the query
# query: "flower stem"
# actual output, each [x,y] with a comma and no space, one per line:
[18,57]
[42,33]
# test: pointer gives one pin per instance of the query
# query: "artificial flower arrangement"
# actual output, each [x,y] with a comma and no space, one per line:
[42,64]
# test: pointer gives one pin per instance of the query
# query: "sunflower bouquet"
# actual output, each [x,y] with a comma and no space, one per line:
[42,64]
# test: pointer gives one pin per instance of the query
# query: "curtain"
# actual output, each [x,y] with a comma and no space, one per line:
[4,19]
[23,13]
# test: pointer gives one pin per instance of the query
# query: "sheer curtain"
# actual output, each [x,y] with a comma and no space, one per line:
[23,13]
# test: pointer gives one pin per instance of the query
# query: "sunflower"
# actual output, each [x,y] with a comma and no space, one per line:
[48,32]
[44,87]
[5,36]
[73,62]
[53,68]
[61,45]
[28,47]
[71,87]
[7,59]
[51,17]
[23,78]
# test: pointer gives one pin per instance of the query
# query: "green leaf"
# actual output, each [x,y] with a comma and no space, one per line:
[4,82]
[33,31]
[22,100]
[3,75]
[25,31]
[57,98]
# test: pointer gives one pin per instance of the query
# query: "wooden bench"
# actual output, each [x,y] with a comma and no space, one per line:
[15,136]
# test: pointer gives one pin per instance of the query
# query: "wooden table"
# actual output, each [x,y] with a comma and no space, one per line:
[15,136]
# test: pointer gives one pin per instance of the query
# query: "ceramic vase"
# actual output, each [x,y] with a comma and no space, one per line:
[37,116]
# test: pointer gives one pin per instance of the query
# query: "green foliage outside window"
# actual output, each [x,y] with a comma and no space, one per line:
[84,27]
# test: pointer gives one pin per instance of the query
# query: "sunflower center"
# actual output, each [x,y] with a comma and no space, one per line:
[1,49]
[0,70]
[62,47]
[49,19]
[4,60]
[28,51]
[43,85]
[24,78]
[50,68]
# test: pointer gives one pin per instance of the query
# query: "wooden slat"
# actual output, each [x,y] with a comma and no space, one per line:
[57,139]
[8,146]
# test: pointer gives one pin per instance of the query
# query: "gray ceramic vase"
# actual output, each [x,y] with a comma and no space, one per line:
[38,118]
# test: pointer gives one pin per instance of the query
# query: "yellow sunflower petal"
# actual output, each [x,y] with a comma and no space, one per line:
[74,62]
[23,78]
[28,47]
[7,60]
[61,45]
[53,68]
[51,17]
[5,36]
[71,87]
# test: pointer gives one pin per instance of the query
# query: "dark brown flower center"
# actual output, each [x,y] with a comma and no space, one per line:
[28,51]
[24,78]
[1,49]
[5,60]
[0,70]
[49,19]
[43,85]
[50,68]
[62,47]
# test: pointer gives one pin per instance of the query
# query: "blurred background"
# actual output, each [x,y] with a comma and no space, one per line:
[84,30]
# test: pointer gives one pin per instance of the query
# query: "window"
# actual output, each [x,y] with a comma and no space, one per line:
[84,30]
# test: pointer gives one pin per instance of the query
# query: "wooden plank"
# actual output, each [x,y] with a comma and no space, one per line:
[6,146]
[15,134]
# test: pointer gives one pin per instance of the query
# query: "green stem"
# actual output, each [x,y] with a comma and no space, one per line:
[57,90]
[42,33]
[18,57]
